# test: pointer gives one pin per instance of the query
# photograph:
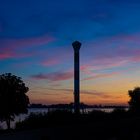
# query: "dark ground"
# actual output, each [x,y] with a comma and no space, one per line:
[97,126]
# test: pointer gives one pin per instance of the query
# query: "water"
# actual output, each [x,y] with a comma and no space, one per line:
[44,110]
[23,116]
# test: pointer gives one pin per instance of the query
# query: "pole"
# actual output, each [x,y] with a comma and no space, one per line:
[76,45]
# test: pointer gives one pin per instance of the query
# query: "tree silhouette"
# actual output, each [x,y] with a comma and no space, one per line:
[13,100]
[134,103]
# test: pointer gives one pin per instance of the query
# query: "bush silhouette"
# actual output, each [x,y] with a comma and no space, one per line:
[134,103]
[13,100]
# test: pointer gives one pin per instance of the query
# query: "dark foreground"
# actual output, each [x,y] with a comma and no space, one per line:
[96,126]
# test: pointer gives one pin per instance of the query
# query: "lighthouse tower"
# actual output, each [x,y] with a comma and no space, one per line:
[76,46]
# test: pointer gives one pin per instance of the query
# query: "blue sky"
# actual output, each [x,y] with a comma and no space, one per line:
[36,38]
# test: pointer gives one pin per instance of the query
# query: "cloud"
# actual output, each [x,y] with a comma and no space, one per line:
[19,48]
[109,53]
[6,55]
[102,64]
[56,76]
[86,92]
[100,76]
[11,55]
[50,62]
[10,44]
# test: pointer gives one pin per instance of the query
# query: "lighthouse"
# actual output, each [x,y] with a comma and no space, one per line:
[76,46]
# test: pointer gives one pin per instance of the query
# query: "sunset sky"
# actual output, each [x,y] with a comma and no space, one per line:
[35,44]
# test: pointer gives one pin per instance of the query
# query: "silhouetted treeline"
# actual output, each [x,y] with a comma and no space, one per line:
[119,124]
[38,106]
[71,105]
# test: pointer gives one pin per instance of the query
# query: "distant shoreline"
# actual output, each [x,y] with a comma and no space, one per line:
[71,106]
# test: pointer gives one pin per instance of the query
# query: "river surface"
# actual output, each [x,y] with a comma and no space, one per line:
[44,110]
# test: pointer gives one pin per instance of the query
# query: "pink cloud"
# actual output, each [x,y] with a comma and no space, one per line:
[135,59]
[91,68]
[86,69]
[101,64]
[12,48]
[123,38]
[120,45]
[57,56]
[10,55]
[5,55]
[27,42]
[50,62]
[56,76]
[129,38]
[101,76]
[118,56]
